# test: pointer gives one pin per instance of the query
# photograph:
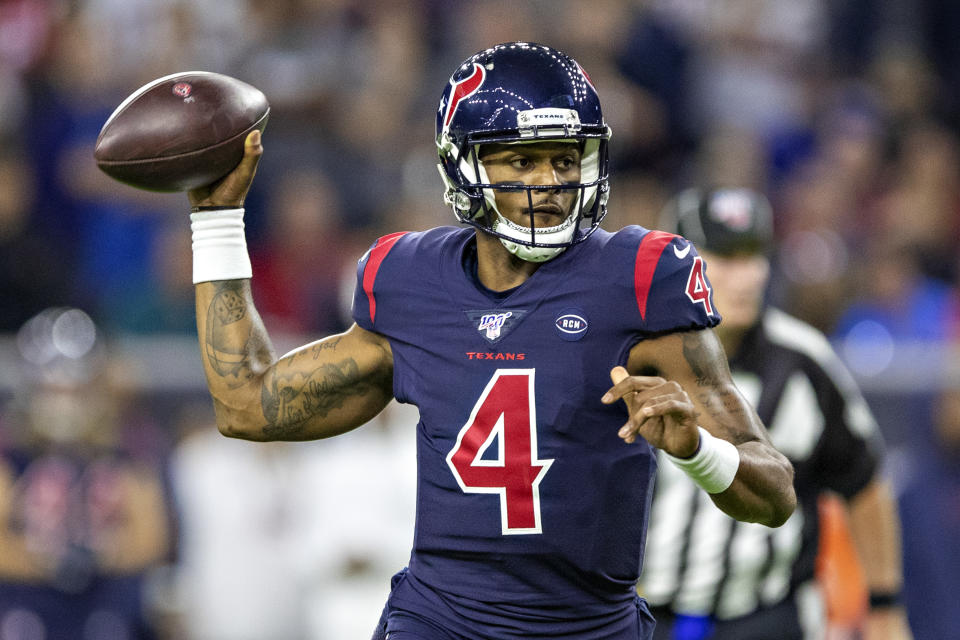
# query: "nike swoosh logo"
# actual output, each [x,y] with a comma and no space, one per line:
[681,253]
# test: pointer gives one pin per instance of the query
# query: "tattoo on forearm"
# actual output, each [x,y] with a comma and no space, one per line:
[726,408]
[289,399]
[228,306]
[714,392]
[228,354]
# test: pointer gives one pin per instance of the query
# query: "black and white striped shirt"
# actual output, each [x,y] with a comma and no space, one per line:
[698,560]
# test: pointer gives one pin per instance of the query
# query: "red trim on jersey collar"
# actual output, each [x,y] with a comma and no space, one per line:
[648,255]
[377,254]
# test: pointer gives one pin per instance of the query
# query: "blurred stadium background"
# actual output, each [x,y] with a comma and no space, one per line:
[844,112]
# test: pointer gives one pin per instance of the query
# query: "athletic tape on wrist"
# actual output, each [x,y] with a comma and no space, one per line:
[219,246]
[715,464]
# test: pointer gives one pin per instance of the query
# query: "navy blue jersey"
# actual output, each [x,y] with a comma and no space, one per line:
[531,511]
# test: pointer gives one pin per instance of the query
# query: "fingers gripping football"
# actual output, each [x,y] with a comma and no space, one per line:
[232,189]
[660,412]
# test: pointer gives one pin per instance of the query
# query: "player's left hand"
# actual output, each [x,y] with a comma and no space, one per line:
[660,411]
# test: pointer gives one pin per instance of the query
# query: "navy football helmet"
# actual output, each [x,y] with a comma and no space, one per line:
[518,93]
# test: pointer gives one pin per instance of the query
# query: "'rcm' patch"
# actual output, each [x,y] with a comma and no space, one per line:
[571,324]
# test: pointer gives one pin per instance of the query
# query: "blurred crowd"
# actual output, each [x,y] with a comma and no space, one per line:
[845,113]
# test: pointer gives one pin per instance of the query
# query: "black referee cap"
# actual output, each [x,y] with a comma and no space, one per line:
[725,221]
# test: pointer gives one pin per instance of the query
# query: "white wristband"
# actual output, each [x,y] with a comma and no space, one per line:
[715,464]
[219,246]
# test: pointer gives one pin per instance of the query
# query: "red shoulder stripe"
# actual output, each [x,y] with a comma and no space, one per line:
[648,255]
[377,254]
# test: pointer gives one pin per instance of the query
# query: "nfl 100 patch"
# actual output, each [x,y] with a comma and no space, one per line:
[495,324]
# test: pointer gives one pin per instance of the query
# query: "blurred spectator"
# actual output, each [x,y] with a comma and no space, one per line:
[892,295]
[25,31]
[239,574]
[930,504]
[289,556]
[340,80]
[903,76]
[731,156]
[82,517]
[104,230]
[740,63]
[680,73]
[362,547]
[31,277]
[299,257]
[921,204]
[939,21]
[162,303]
[826,190]
[654,58]
[894,325]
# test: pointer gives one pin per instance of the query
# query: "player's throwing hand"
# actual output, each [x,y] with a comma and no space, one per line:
[660,411]
[231,191]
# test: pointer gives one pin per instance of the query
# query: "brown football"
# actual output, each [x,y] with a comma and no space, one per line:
[181,131]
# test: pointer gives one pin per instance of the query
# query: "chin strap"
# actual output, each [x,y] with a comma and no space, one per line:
[562,233]
[532,254]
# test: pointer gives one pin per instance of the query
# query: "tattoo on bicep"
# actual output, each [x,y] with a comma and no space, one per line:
[289,398]
[326,345]
[708,364]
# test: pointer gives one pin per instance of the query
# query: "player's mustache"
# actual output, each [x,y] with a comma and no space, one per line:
[550,204]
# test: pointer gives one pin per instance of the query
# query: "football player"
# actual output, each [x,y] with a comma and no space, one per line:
[535,472]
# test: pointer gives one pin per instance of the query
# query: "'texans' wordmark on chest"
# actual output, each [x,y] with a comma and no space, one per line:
[481,355]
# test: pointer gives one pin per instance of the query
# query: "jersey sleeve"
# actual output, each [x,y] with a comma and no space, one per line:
[670,285]
[368,268]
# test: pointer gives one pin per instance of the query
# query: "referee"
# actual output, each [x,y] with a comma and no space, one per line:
[707,576]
